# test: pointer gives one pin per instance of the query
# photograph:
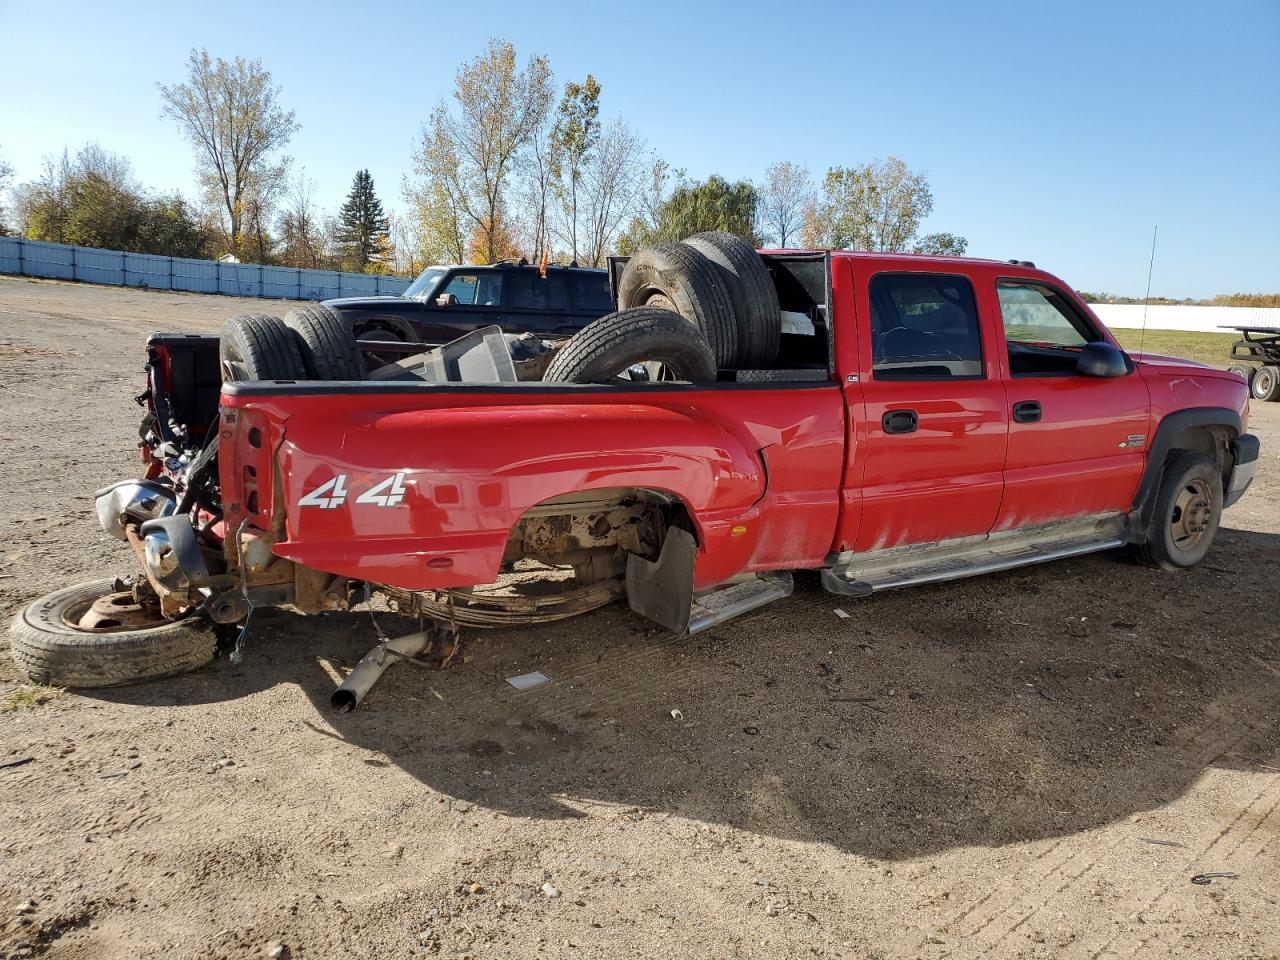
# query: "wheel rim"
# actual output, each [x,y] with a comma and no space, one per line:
[1192,514]
[112,613]
[646,371]
[1262,381]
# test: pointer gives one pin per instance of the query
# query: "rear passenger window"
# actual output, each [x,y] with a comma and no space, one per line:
[924,327]
[529,290]
[591,292]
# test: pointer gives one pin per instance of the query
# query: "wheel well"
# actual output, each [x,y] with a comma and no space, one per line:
[1213,441]
[594,530]
[396,325]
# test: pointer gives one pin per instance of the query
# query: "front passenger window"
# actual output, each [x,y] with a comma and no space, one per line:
[1042,331]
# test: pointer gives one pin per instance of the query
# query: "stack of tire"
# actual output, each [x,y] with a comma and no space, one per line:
[696,307]
[312,342]
[1264,381]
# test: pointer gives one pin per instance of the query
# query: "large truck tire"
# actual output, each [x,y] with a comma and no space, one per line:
[1187,512]
[326,342]
[259,347]
[49,648]
[675,277]
[1266,383]
[755,297]
[664,343]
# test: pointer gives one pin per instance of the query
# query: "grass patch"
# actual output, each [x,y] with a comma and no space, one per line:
[28,697]
[1211,348]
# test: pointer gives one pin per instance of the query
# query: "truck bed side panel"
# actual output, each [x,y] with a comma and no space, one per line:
[433,480]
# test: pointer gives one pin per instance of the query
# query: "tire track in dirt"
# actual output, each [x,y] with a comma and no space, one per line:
[1023,894]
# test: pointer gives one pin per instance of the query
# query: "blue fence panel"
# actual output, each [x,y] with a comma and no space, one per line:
[392,286]
[95,266]
[52,260]
[34,258]
[10,260]
[281,283]
[147,270]
[319,284]
[195,276]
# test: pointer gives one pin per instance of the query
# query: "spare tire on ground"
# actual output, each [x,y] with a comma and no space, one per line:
[755,297]
[259,347]
[90,636]
[642,343]
[675,277]
[327,344]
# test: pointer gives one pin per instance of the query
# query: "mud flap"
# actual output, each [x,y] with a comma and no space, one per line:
[662,590]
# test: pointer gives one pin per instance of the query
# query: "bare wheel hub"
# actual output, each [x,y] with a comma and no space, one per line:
[112,613]
[1192,513]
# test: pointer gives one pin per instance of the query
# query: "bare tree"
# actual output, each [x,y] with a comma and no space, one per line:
[786,191]
[301,232]
[498,108]
[612,181]
[231,114]
[535,194]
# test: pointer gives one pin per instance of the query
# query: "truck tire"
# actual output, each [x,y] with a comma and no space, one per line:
[1266,383]
[672,276]
[1188,509]
[327,345]
[259,347]
[755,297]
[48,648]
[607,348]
[1246,372]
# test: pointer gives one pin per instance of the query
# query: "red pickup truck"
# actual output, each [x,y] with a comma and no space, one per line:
[928,418]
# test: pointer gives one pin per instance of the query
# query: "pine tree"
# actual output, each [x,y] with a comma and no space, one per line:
[362,225]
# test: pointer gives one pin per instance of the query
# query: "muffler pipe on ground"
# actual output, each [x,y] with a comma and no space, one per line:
[360,680]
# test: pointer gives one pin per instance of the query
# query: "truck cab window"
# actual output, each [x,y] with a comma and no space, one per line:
[924,327]
[476,289]
[1043,332]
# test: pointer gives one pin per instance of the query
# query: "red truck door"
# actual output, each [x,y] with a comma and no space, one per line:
[1076,443]
[935,419]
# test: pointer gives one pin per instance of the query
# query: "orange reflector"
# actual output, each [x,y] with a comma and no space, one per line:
[738,531]
[440,563]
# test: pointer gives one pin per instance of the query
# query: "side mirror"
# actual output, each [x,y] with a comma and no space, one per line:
[447,300]
[1101,359]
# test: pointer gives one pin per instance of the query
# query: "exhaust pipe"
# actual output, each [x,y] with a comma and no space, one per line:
[360,680]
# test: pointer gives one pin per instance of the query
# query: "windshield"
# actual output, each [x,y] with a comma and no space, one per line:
[421,288]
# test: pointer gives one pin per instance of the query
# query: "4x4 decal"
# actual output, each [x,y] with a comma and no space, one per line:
[333,493]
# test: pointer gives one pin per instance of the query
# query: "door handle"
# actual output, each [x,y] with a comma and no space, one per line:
[900,421]
[1026,411]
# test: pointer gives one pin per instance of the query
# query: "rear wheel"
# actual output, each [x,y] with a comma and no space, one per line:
[259,347]
[327,345]
[1266,383]
[1187,512]
[91,635]
[641,344]
[1245,371]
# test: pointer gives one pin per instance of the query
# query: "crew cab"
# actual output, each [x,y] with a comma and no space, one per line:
[926,418]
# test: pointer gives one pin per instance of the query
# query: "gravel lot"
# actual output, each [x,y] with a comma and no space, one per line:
[1029,764]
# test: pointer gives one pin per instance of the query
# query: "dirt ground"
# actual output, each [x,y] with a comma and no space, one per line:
[1029,764]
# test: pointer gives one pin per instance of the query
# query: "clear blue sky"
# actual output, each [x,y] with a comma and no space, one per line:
[1059,133]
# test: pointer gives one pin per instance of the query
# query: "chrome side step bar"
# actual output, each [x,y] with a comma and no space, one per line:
[854,575]
[717,606]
